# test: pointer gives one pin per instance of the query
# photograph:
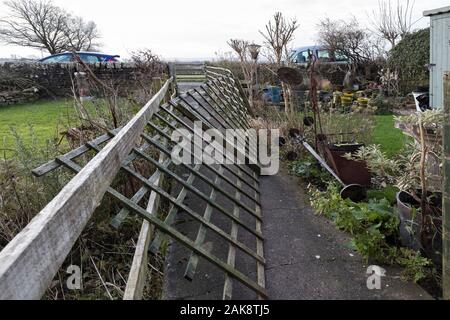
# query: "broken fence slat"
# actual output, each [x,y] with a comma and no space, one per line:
[53,164]
[156,244]
[30,261]
[193,259]
[118,219]
[178,236]
[58,225]
[138,272]
[249,172]
[231,258]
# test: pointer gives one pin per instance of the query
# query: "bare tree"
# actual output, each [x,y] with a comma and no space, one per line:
[42,25]
[243,50]
[240,47]
[278,35]
[81,35]
[393,22]
[348,38]
[404,17]
[149,67]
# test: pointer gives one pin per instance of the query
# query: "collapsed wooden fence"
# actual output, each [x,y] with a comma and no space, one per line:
[30,261]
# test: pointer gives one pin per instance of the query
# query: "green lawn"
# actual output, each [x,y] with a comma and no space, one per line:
[47,119]
[390,139]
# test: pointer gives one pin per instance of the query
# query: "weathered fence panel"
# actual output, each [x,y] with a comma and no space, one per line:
[29,262]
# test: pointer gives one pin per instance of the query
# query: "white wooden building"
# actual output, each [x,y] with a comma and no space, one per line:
[440,52]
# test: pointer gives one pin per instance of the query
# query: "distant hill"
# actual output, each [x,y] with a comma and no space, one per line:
[2,60]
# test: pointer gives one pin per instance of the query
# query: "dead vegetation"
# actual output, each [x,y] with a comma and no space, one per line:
[278,35]
[103,253]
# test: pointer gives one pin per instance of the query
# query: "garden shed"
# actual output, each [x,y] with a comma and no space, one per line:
[440,52]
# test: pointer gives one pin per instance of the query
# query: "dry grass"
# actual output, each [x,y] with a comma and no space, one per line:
[103,253]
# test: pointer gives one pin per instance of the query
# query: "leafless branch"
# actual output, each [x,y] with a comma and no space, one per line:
[392,22]
[42,25]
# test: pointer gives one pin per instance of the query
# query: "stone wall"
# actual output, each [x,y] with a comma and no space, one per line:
[58,80]
[11,97]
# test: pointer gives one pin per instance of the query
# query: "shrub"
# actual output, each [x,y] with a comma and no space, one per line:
[384,105]
[353,126]
[21,194]
[409,58]
[309,170]
[372,225]
[266,71]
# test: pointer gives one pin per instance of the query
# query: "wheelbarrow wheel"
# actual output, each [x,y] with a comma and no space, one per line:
[354,192]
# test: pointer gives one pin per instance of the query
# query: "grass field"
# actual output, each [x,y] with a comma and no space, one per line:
[47,118]
[390,139]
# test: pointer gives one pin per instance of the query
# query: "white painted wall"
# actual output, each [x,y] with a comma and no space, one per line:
[439,56]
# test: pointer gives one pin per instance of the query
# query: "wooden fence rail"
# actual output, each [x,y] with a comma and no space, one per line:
[30,261]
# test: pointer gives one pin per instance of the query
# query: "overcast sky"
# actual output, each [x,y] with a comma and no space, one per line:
[199,28]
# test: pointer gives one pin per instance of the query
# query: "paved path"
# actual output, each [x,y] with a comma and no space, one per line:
[186,86]
[307,258]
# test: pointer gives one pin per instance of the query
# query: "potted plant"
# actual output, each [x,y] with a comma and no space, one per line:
[420,201]
[350,171]
[346,134]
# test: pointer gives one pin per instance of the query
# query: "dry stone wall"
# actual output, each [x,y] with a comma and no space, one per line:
[24,81]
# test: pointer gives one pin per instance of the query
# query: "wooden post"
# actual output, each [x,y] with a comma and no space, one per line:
[173,75]
[446,191]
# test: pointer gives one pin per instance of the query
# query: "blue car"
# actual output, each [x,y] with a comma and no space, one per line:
[300,56]
[88,57]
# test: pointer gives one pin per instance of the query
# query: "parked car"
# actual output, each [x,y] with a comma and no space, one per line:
[88,57]
[301,55]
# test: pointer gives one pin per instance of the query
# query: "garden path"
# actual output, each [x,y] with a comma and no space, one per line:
[308,258]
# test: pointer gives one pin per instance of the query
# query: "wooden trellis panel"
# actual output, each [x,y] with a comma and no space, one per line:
[29,263]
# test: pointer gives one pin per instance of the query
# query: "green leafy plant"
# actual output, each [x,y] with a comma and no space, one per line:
[371,224]
[370,243]
[382,104]
[368,223]
[389,193]
[415,265]
[308,169]
[354,217]
[383,169]
[350,127]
